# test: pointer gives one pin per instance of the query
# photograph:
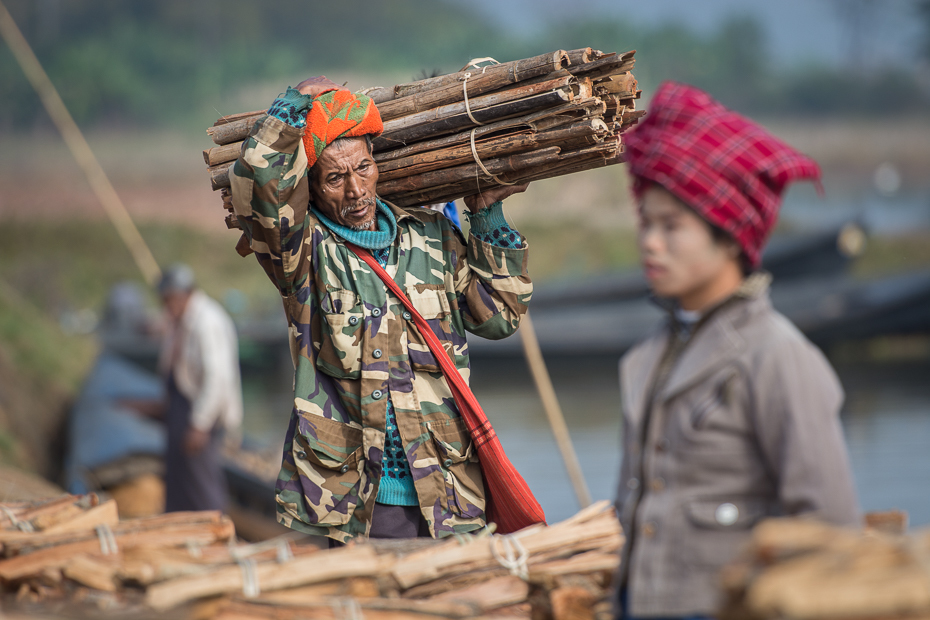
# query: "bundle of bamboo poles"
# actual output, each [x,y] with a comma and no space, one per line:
[458,134]
[186,564]
[808,570]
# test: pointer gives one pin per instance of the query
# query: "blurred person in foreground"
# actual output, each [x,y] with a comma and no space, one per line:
[376,445]
[730,414]
[199,361]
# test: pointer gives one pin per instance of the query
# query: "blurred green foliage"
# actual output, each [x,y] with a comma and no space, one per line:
[153,62]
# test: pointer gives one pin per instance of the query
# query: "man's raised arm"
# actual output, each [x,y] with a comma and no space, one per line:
[269,184]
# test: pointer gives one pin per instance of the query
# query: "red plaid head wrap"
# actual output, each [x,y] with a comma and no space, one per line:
[722,165]
[338,114]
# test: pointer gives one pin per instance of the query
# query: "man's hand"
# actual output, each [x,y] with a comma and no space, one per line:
[478,202]
[316,85]
[195,441]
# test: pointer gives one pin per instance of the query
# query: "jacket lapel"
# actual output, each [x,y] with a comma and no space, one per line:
[637,374]
[713,345]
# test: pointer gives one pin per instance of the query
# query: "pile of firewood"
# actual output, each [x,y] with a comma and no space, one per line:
[71,551]
[807,570]
[458,134]
[73,548]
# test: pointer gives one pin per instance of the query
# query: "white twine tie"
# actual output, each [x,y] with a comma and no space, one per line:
[514,555]
[107,540]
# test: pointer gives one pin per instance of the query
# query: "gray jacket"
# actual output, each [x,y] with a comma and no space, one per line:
[738,422]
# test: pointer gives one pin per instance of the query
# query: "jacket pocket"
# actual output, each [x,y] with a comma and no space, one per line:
[339,352]
[431,302]
[458,461]
[328,455]
[718,527]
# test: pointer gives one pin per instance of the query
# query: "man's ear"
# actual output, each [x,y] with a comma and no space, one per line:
[734,249]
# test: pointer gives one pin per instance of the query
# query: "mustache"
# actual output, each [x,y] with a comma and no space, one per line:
[364,202]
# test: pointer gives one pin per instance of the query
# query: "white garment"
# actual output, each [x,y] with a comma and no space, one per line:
[206,363]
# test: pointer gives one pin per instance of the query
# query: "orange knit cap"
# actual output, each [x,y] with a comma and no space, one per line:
[338,114]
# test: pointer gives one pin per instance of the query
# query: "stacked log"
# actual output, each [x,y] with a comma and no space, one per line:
[807,570]
[455,135]
[173,565]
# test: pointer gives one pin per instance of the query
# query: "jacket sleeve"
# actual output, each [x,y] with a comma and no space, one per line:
[271,192]
[797,405]
[492,283]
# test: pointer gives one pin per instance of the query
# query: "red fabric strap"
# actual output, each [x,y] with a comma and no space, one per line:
[510,502]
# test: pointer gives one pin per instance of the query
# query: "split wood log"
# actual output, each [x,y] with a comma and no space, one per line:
[28,511]
[175,519]
[358,587]
[92,572]
[489,595]
[106,513]
[70,518]
[388,608]
[573,603]
[561,538]
[337,609]
[357,561]
[48,520]
[203,534]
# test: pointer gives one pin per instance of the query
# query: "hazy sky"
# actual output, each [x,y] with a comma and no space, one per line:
[797,30]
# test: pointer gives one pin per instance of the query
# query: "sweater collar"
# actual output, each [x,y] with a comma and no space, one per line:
[368,239]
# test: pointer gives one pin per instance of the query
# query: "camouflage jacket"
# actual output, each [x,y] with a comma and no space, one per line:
[353,346]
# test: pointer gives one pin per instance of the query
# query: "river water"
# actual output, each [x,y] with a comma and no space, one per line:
[886,419]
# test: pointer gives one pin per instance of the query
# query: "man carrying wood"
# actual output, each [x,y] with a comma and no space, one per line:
[730,415]
[376,445]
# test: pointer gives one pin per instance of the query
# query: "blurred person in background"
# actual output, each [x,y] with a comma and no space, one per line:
[730,414]
[376,445]
[199,361]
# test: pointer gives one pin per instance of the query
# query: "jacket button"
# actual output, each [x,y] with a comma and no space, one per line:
[353,320]
[657,484]
[377,394]
[447,463]
[301,455]
[632,484]
[407,316]
[376,354]
[726,514]
[344,468]
[649,529]
[376,312]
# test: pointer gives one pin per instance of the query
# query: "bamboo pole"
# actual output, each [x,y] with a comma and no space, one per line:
[79,147]
[537,365]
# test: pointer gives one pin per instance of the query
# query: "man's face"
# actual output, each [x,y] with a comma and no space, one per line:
[175,302]
[679,255]
[343,184]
